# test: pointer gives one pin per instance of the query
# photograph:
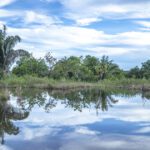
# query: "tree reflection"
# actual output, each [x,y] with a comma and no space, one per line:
[8,114]
[146,94]
[75,99]
[78,100]
[28,98]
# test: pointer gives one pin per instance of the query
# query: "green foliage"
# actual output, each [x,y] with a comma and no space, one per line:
[139,73]
[108,70]
[88,69]
[1,73]
[50,60]
[31,66]
[146,69]
[68,68]
[7,52]
[91,62]
[135,73]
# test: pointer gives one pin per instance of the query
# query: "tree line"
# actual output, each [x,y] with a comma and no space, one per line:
[88,68]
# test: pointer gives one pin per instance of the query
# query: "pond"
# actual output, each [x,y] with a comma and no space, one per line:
[90,119]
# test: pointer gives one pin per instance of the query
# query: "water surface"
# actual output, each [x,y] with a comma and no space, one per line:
[89,119]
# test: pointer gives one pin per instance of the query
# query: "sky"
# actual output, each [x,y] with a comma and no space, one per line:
[117,28]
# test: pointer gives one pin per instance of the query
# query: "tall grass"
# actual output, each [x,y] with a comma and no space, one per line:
[36,82]
[126,83]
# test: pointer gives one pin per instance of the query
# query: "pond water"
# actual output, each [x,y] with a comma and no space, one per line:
[89,119]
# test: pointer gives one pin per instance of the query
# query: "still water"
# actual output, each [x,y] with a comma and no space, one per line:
[89,119]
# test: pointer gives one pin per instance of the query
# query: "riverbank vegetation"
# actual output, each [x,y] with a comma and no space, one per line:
[20,68]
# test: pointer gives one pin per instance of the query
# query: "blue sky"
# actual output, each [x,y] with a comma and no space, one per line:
[117,28]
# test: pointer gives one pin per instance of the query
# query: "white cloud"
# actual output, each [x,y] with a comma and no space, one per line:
[111,50]
[6,13]
[85,131]
[30,134]
[64,40]
[2,23]
[87,21]
[35,17]
[143,130]
[6,2]
[105,141]
[145,24]
[134,38]
[105,9]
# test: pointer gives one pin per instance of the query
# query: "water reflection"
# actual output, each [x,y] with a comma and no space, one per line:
[60,117]
[77,100]
[8,113]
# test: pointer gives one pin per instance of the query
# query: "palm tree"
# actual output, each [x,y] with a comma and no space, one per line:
[7,52]
[104,67]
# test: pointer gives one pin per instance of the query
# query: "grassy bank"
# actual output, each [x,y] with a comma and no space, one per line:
[42,83]
[46,83]
[130,84]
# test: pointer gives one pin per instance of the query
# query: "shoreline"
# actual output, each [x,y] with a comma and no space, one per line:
[46,83]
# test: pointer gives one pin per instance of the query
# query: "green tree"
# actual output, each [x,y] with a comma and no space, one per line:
[145,69]
[135,73]
[104,67]
[68,68]
[108,69]
[31,66]
[7,52]
[50,60]
[91,62]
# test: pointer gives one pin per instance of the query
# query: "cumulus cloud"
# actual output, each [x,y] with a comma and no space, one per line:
[34,17]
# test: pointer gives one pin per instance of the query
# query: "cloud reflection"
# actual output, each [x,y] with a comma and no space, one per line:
[74,123]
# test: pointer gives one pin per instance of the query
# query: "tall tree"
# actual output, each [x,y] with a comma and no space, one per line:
[104,67]
[7,52]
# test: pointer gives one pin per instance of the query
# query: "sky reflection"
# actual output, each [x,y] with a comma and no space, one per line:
[124,125]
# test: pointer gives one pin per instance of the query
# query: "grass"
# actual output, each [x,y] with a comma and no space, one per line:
[36,82]
[134,84]
[47,83]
